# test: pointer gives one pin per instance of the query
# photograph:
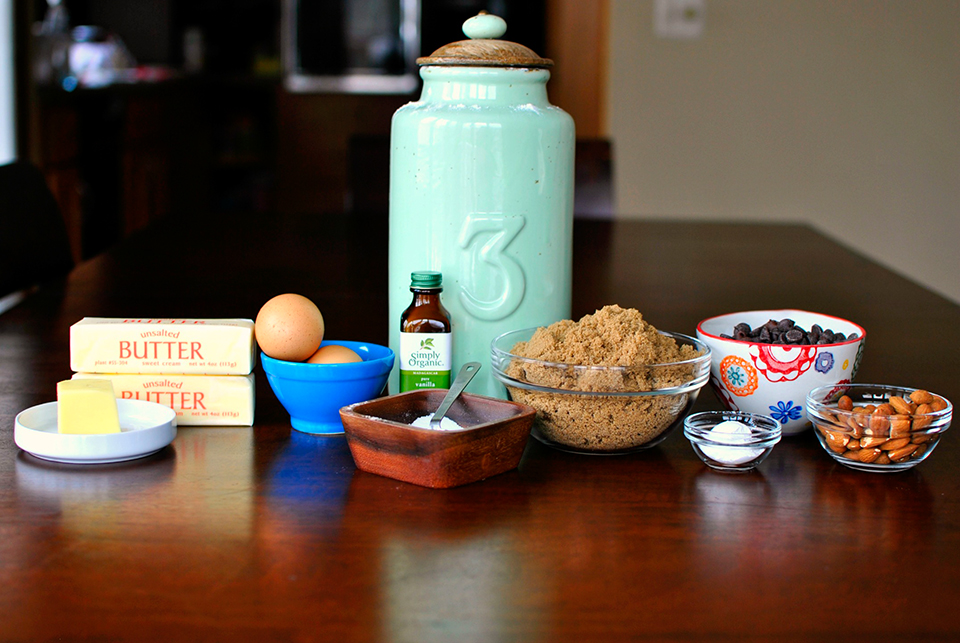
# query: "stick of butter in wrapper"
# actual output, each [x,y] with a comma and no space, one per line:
[199,400]
[194,346]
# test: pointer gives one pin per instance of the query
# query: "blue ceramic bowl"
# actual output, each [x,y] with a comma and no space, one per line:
[314,393]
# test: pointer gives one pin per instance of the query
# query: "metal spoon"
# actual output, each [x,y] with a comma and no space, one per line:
[467,371]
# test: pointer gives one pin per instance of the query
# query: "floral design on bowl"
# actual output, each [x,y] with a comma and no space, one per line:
[785,411]
[824,361]
[739,376]
[856,361]
[840,387]
[782,362]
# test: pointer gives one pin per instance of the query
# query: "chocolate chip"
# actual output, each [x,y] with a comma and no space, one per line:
[785,331]
[785,324]
[793,336]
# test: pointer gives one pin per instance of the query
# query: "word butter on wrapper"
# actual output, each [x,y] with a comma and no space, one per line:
[199,400]
[194,346]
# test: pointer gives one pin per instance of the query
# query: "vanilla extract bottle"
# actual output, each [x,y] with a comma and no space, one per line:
[426,336]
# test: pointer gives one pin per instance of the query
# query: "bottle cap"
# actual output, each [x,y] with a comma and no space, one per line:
[425,279]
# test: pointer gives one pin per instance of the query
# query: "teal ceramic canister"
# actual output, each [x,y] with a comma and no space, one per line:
[481,190]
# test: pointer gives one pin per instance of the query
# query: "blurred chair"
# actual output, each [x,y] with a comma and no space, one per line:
[368,175]
[34,247]
[593,192]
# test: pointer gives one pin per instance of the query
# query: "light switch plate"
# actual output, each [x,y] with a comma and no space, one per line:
[679,19]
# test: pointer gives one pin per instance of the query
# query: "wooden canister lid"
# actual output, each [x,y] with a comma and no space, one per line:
[484,49]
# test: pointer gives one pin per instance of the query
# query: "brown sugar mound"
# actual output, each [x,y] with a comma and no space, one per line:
[612,337]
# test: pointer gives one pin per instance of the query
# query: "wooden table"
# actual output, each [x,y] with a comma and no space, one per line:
[267,534]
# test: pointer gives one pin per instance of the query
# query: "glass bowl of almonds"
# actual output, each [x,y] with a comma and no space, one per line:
[874,427]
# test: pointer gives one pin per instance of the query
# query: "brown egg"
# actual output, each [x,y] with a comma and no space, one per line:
[289,327]
[333,354]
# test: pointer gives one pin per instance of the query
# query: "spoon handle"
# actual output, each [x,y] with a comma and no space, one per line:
[467,371]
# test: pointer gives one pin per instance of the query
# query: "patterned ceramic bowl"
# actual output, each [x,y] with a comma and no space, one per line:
[772,379]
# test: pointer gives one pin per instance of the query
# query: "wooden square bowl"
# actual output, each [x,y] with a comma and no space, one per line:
[382,441]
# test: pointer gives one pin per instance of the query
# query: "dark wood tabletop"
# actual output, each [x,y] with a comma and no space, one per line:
[267,534]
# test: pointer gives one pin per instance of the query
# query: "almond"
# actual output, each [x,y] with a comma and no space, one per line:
[938,404]
[901,454]
[859,424]
[840,425]
[893,445]
[837,442]
[867,456]
[869,442]
[920,438]
[901,405]
[900,426]
[885,409]
[921,421]
[856,431]
[921,397]
[882,459]
[879,424]
[845,403]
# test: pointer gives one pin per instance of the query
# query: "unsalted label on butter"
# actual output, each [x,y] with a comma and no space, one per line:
[87,406]
[196,346]
[199,400]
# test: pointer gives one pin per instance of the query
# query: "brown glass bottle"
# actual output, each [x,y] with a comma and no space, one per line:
[426,336]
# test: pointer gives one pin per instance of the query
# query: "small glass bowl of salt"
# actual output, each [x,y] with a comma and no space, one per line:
[731,441]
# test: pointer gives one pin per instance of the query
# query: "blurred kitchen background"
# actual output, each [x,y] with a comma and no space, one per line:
[843,115]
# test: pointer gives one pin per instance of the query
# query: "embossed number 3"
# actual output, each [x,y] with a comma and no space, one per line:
[502,229]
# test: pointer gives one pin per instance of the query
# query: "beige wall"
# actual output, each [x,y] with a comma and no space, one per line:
[841,113]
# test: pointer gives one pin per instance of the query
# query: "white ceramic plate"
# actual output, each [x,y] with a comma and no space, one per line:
[145,428]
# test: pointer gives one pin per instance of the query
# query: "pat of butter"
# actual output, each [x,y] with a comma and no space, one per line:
[199,400]
[201,346]
[87,406]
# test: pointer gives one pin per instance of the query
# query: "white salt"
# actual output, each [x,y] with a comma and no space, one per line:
[730,432]
[446,424]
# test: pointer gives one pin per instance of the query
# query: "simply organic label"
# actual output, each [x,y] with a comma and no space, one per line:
[425,360]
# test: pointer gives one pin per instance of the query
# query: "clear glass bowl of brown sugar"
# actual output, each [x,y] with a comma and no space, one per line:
[602,410]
